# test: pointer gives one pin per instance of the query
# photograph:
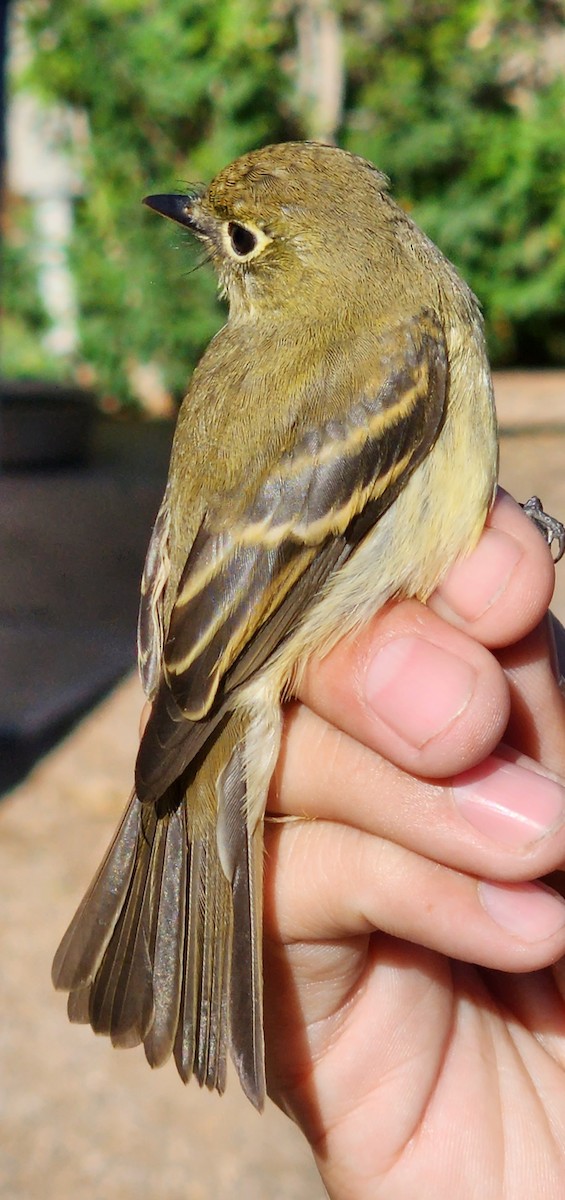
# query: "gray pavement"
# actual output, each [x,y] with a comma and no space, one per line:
[76,1117]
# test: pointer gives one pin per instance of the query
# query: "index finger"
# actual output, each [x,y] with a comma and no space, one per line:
[500,592]
[441,703]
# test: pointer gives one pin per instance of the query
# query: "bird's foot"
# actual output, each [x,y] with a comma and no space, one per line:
[551,529]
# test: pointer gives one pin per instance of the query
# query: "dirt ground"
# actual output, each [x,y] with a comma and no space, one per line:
[76,1117]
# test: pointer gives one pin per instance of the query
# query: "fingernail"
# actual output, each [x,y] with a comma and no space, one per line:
[417,688]
[530,911]
[508,803]
[474,583]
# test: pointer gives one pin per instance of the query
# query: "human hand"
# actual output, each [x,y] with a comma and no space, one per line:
[429,787]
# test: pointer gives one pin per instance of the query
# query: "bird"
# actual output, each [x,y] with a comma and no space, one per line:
[336,451]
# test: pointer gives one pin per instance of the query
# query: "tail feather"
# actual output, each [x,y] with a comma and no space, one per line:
[121,996]
[216,933]
[241,853]
[168,949]
[165,949]
[82,948]
[246,977]
[185,1040]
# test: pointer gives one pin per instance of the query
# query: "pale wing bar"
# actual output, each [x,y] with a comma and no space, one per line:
[316,493]
[246,584]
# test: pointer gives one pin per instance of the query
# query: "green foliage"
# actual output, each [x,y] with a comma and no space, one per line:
[459,102]
[24,320]
[463,106]
[172,92]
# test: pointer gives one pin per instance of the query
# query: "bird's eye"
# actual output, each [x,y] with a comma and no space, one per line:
[243,240]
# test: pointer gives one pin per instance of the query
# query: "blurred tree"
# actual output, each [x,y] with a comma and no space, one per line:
[461,102]
[320,68]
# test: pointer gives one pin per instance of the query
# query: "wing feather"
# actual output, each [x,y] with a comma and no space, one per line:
[248,580]
[150,632]
[236,577]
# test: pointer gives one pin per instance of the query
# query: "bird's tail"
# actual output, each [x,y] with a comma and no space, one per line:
[165,948]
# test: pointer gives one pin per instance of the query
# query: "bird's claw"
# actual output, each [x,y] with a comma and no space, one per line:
[551,529]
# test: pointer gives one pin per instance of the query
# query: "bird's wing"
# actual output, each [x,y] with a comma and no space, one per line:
[150,631]
[249,579]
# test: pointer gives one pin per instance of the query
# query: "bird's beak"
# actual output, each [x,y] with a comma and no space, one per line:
[177,208]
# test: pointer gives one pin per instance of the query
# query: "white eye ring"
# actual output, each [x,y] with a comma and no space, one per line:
[243,241]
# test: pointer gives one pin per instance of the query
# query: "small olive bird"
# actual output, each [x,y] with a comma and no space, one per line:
[336,450]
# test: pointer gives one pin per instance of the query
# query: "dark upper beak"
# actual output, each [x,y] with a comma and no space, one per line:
[177,208]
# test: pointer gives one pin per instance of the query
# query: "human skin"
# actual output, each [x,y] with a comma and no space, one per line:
[415,1017]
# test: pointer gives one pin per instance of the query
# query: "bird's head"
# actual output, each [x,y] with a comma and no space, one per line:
[282,220]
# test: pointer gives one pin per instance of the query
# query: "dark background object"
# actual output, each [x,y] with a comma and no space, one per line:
[44,423]
[72,546]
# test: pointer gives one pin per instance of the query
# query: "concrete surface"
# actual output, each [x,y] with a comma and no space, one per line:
[76,1117]
[530,399]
